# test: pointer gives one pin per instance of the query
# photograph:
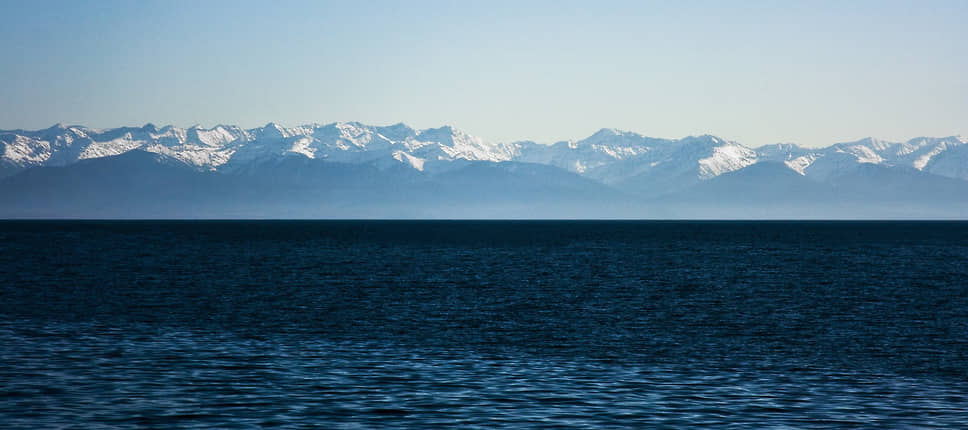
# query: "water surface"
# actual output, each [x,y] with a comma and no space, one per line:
[483,324]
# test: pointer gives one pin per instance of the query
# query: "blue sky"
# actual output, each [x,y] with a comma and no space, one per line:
[812,72]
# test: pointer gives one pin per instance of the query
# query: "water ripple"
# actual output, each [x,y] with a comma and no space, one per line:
[417,325]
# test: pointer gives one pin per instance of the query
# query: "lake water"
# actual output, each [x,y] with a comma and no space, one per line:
[411,324]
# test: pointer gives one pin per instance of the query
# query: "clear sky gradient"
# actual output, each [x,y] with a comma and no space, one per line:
[810,72]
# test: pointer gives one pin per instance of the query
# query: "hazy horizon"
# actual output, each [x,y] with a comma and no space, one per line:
[811,74]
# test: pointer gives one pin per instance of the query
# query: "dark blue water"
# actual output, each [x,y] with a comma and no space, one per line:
[483,324]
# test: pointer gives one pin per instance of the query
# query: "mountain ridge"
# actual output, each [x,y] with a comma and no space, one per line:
[598,156]
[357,170]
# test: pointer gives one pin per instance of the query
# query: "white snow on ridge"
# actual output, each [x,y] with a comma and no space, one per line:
[354,134]
[609,155]
[217,136]
[24,150]
[620,152]
[923,160]
[197,156]
[110,148]
[455,144]
[801,163]
[302,146]
[725,159]
[863,153]
[415,162]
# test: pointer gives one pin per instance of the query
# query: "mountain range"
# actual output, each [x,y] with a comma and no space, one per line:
[353,170]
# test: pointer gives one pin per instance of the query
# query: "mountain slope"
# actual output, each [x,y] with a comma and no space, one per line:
[133,184]
[140,184]
[865,191]
[356,170]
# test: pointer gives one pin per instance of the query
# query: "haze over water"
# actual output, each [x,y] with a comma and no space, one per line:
[483,324]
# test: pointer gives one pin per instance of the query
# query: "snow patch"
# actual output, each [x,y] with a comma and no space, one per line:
[24,150]
[302,146]
[726,159]
[801,163]
[110,148]
[415,162]
[863,154]
[923,160]
[217,136]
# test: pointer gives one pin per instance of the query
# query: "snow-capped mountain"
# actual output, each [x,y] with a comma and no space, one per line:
[211,149]
[942,156]
[612,156]
[61,145]
[349,169]
[609,156]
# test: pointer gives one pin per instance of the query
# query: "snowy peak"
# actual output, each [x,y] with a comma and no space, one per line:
[614,157]
[448,144]
[609,134]
[384,146]
[871,143]
[443,134]
[56,128]
[933,155]
[609,155]
[614,138]
[592,154]
[271,131]
[214,137]
[702,157]
[397,132]
[724,159]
